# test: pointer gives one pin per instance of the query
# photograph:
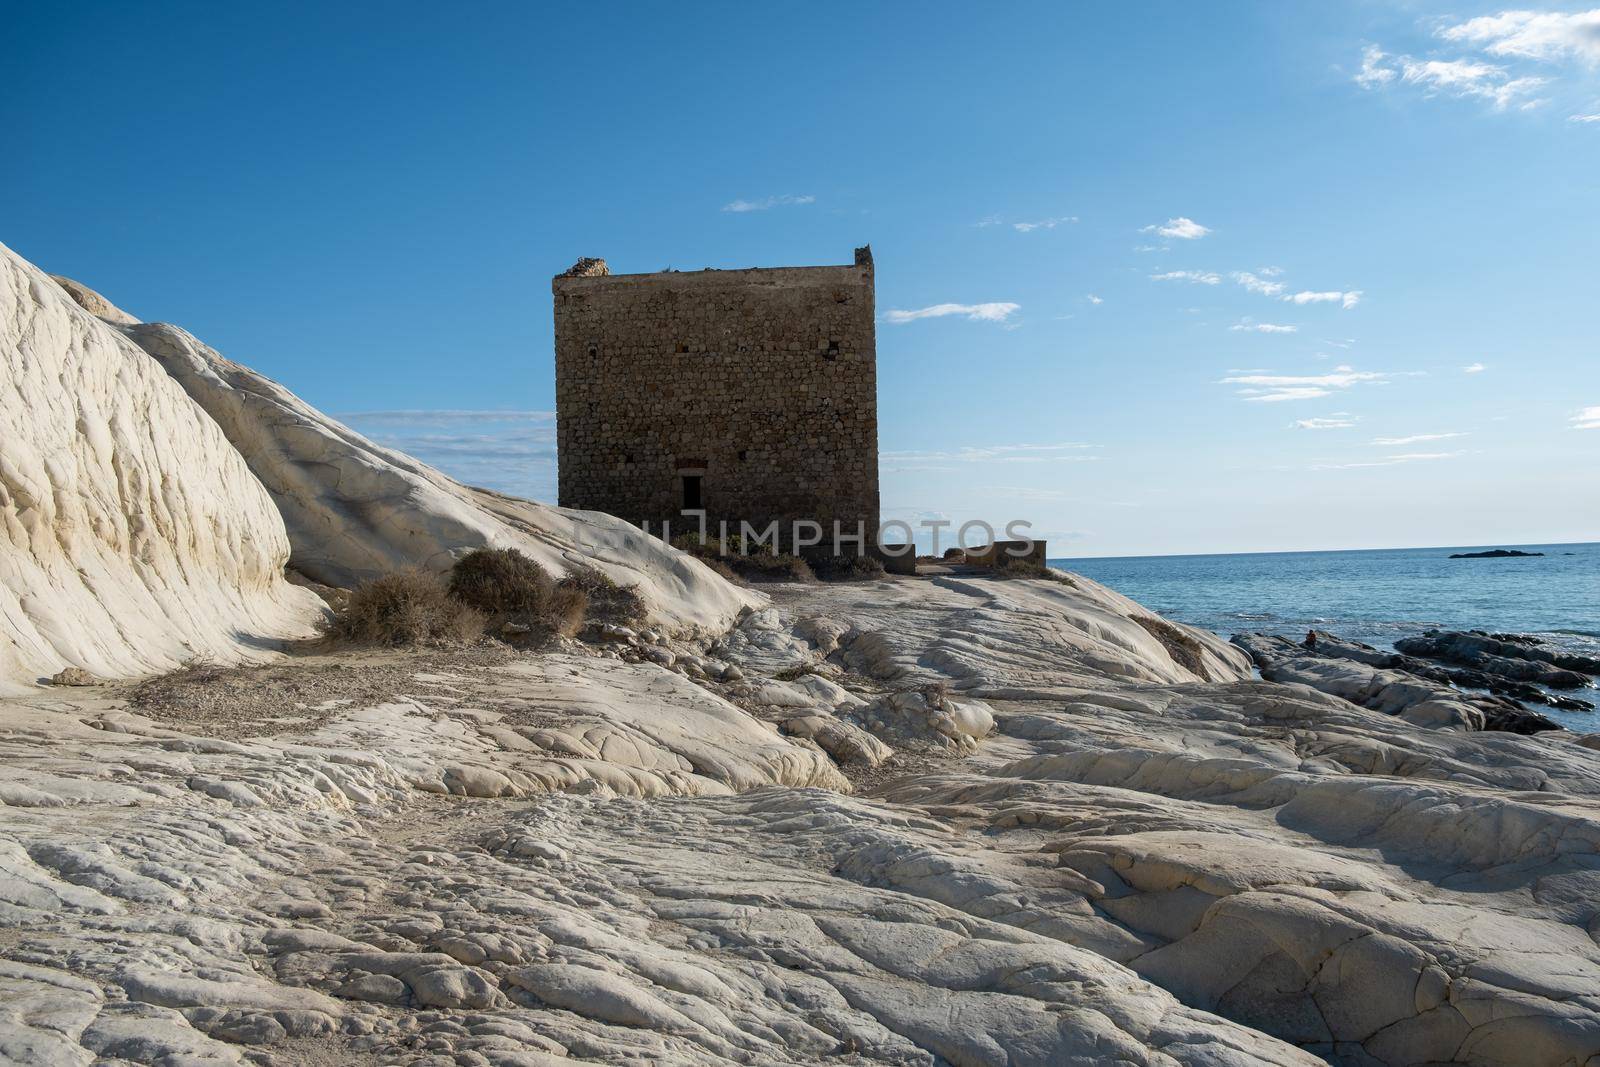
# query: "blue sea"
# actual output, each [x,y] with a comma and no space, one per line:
[1375,596]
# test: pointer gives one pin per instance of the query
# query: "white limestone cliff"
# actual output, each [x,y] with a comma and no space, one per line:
[355,509]
[133,536]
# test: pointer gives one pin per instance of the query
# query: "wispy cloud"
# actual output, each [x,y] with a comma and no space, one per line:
[1587,419]
[1584,118]
[1416,438]
[1472,78]
[1043,224]
[1375,71]
[1474,368]
[1274,388]
[1093,299]
[1548,36]
[1262,327]
[1184,229]
[1336,421]
[1387,461]
[1199,277]
[996,312]
[437,416]
[510,451]
[1068,452]
[767,203]
[1346,300]
[1257,282]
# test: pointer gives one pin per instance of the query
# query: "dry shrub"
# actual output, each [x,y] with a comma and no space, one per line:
[501,581]
[406,608]
[1184,650]
[847,568]
[772,567]
[608,601]
[752,562]
[1027,568]
[567,609]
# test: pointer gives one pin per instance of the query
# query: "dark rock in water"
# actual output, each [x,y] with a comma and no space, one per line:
[1390,682]
[1495,553]
[1506,659]
[1517,720]
[1326,644]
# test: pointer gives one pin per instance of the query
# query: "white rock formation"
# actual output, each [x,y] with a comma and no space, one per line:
[1080,834]
[132,535]
[356,510]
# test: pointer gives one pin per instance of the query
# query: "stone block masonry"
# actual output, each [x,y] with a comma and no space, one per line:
[750,395]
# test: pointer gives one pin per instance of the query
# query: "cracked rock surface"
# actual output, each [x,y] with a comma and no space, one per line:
[589,856]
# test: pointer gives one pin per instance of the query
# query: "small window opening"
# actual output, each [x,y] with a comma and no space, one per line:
[744,454]
[691,492]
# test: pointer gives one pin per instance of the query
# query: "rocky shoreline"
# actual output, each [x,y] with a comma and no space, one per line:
[1470,679]
[952,819]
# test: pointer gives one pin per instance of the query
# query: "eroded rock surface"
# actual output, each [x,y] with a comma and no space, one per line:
[644,852]
[132,536]
[355,510]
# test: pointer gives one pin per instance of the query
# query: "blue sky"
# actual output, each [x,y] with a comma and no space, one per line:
[1213,277]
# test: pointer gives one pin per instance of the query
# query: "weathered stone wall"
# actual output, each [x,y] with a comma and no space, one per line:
[763,381]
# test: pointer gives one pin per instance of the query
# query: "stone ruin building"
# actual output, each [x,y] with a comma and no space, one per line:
[745,395]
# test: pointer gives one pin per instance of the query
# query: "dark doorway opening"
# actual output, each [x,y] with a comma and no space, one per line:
[691,492]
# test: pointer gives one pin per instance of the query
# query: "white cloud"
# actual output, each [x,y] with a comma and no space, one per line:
[1094,299]
[1474,368]
[438,416]
[996,312]
[1373,73]
[1069,452]
[1043,224]
[1587,419]
[1346,300]
[1469,77]
[1182,228]
[1199,277]
[1262,327]
[1387,461]
[1584,118]
[1274,388]
[1452,77]
[510,451]
[1256,283]
[741,206]
[989,220]
[1543,35]
[1415,438]
[1336,421]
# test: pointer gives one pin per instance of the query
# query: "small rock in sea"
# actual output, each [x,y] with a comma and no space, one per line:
[1494,553]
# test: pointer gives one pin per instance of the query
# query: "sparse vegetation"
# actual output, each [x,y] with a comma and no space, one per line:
[607,601]
[1027,568]
[568,608]
[847,568]
[1184,650]
[501,581]
[755,563]
[406,608]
